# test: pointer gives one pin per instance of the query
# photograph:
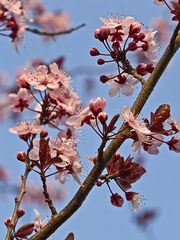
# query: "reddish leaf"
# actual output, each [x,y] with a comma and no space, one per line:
[70,236]
[24,231]
[159,117]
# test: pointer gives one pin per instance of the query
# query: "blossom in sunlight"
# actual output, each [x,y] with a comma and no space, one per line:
[151,50]
[77,121]
[20,101]
[38,223]
[122,84]
[45,77]
[27,128]
[13,6]
[133,122]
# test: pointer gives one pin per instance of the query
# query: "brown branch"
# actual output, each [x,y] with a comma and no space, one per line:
[52,34]
[91,179]
[47,197]
[17,203]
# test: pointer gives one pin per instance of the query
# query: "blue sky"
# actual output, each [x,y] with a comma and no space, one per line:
[97,218]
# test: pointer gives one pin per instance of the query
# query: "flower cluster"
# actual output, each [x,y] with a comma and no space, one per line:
[16,15]
[12,19]
[49,87]
[149,135]
[121,37]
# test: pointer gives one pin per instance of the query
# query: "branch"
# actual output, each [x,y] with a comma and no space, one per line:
[47,197]
[91,179]
[51,34]
[17,203]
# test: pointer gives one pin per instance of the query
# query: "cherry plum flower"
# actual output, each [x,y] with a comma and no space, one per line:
[133,122]
[27,128]
[124,85]
[174,144]
[13,6]
[77,121]
[44,77]
[97,105]
[21,100]
[150,38]
[38,223]
[135,200]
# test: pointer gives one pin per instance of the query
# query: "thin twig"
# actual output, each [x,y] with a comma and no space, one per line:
[52,34]
[17,204]
[47,197]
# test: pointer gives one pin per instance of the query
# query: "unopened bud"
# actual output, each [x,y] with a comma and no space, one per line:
[94,52]
[20,212]
[21,156]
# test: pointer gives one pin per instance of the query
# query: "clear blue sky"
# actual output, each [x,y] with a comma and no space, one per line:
[97,218]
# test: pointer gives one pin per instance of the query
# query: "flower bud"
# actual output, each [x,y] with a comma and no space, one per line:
[20,212]
[100,61]
[94,52]
[104,78]
[117,200]
[21,156]
[103,117]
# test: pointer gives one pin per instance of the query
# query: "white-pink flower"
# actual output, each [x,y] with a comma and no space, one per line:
[13,6]
[97,105]
[21,100]
[26,128]
[135,202]
[125,88]
[132,121]
[34,152]
[44,77]
[150,38]
[78,120]
[38,223]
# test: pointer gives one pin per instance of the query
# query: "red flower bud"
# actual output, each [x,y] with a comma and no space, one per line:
[20,212]
[117,200]
[21,156]
[94,52]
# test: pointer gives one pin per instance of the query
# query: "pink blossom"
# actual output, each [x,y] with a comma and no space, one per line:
[174,144]
[126,87]
[44,77]
[66,99]
[26,128]
[150,38]
[78,120]
[34,153]
[38,223]
[65,148]
[155,142]
[132,121]
[21,100]
[13,6]
[97,105]
[135,200]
